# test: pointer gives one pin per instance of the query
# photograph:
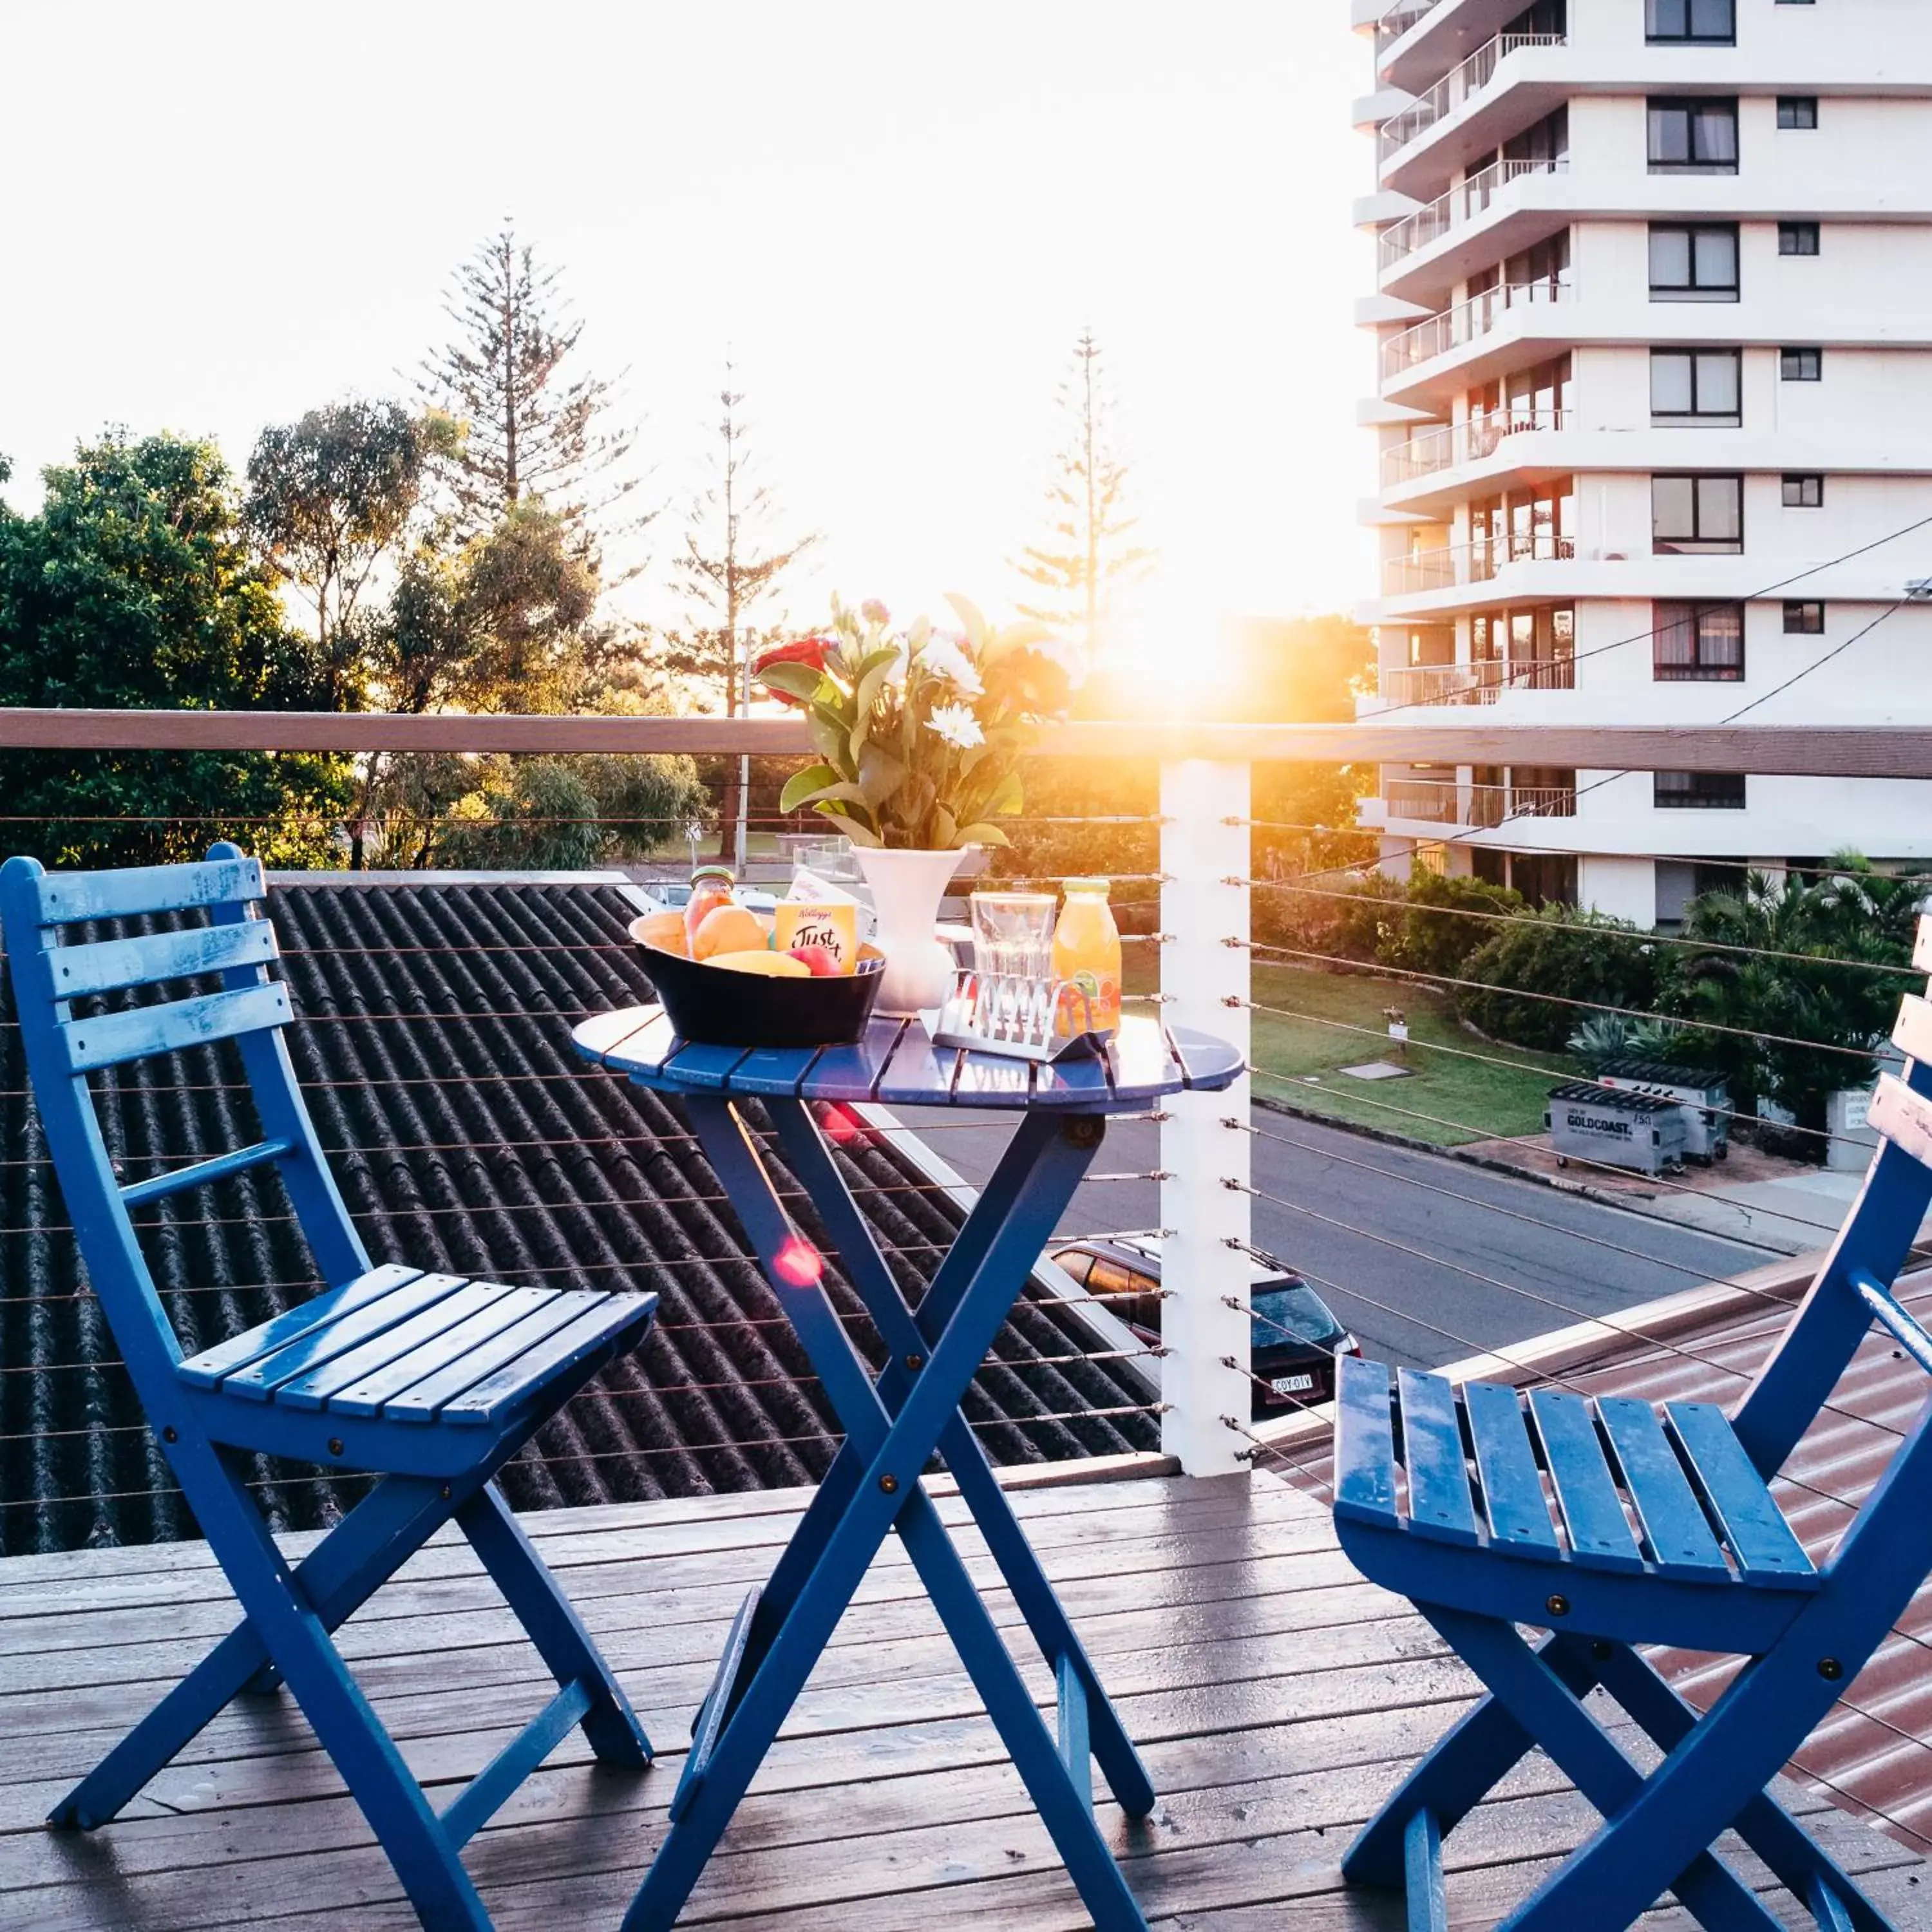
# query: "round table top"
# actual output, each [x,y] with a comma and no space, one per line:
[896,1061]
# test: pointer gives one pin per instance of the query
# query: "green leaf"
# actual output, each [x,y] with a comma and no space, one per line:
[881,775]
[795,680]
[872,660]
[945,829]
[971,620]
[801,787]
[856,829]
[829,734]
[983,834]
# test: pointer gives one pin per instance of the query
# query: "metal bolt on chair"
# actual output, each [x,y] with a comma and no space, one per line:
[431,1381]
[1611,1523]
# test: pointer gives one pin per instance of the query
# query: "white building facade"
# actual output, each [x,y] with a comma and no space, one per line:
[1654,305]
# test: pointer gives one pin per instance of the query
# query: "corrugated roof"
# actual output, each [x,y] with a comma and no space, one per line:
[1873,1754]
[466,1134]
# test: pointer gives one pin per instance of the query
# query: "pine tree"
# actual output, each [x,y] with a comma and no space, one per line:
[529,425]
[1084,558]
[730,569]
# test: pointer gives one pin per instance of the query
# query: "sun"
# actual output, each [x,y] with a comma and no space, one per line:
[1165,646]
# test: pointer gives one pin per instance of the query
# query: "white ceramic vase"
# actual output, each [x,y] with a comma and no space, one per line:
[906,888]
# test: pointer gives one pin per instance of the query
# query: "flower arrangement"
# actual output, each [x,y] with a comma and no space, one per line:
[920,733]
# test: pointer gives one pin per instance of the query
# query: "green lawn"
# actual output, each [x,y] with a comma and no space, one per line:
[1469,1100]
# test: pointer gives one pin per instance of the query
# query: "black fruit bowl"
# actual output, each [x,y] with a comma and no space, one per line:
[713,1006]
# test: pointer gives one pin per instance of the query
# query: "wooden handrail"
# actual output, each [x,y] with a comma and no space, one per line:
[1849,750]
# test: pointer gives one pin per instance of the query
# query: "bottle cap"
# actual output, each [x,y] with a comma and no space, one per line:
[1102,887]
[723,873]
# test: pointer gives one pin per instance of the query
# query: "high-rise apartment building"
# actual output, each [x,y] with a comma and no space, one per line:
[1654,306]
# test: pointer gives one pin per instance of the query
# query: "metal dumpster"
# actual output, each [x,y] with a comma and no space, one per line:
[1616,1128]
[1701,1091]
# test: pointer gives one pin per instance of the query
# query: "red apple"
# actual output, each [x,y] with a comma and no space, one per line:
[822,962]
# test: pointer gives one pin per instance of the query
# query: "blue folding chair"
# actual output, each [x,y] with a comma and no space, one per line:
[1611,1523]
[430,1380]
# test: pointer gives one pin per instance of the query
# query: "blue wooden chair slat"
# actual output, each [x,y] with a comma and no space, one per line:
[1513,1501]
[1593,1516]
[1674,1526]
[853,1073]
[110,1040]
[374,1331]
[266,1374]
[108,965]
[207,1369]
[1753,1527]
[1365,1466]
[417,1338]
[423,1400]
[72,899]
[366,1396]
[1719,1569]
[495,1395]
[1439,1503]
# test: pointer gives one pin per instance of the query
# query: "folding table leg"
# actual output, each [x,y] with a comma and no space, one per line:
[906,1335]
[1055,1164]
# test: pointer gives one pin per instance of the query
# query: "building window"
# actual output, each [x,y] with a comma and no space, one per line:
[1694,262]
[1540,643]
[1710,23]
[1803,619]
[1693,137]
[1797,110]
[1700,387]
[1697,515]
[1804,493]
[1800,365]
[1707,791]
[1798,238]
[1703,642]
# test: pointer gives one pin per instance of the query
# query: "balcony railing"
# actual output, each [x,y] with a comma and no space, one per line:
[1397,21]
[1463,202]
[1476,562]
[1440,684]
[1458,85]
[1466,322]
[1478,807]
[1468,441]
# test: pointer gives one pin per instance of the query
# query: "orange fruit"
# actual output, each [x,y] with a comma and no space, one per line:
[772,965]
[726,929]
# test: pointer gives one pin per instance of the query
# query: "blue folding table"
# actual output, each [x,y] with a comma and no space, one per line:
[895,1424]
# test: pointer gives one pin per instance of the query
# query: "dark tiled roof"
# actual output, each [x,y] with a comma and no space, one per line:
[465,1133]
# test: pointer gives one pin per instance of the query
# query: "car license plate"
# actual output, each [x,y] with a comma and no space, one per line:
[1292,1384]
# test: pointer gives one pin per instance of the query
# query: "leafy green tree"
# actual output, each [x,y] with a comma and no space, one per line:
[1572,955]
[1084,556]
[134,587]
[733,570]
[565,814]
[330,497]
[529,421]
[1818,992]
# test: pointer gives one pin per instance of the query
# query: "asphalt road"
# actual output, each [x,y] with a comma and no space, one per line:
[1427,1258]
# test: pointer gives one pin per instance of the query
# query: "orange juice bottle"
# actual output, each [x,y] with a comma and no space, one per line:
[1087,953]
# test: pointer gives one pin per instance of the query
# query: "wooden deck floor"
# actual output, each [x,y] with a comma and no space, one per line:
[1276,1695]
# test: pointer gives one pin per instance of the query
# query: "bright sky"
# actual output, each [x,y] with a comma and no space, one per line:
[897,217]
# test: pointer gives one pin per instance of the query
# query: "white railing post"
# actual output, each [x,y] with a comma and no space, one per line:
[1205,854]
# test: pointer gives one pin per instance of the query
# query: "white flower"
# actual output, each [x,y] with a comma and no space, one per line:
[957,725]
[943,657]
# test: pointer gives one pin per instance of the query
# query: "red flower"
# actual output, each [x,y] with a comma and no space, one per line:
[811,652]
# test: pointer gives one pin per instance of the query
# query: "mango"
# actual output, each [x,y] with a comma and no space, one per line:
[772,965]
[663,930]
[727,928]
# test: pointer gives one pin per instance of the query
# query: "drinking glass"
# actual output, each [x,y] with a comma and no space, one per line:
[1012,943]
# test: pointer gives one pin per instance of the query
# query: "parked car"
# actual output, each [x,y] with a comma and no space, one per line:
[1293,1337]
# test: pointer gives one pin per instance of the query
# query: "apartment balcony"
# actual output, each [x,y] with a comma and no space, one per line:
[1476,808]
[1455,565]
[1494,213]
[1416,44]
[1409,687]
[1460,85]
[1390,27]
[1454,445]
[1438,358]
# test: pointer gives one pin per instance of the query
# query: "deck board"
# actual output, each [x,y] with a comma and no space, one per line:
[1276,1695]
